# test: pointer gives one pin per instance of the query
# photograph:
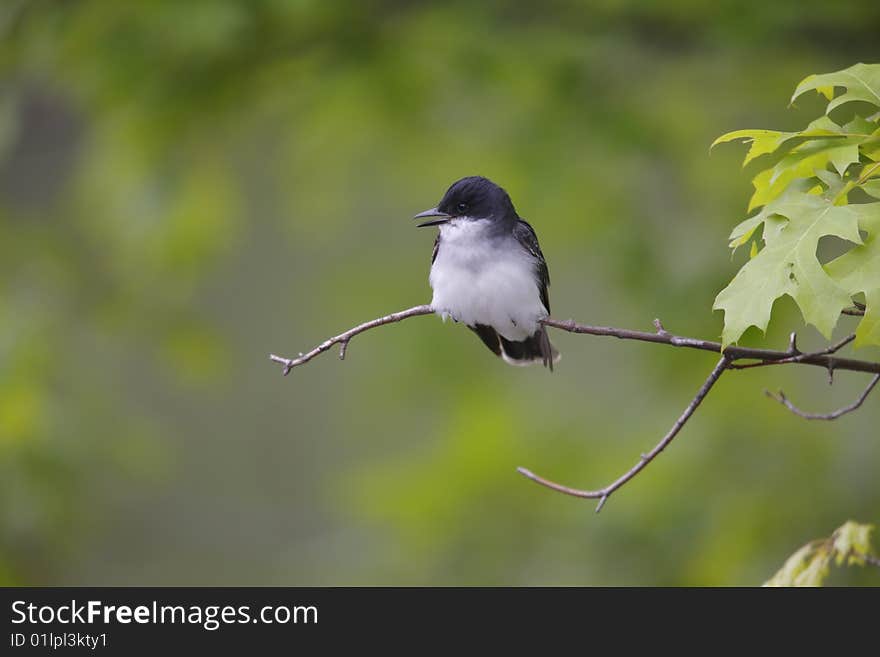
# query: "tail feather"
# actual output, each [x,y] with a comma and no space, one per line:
[489,337]
[534,349]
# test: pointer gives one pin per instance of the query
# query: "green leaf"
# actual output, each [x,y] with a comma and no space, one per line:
[817,570]
[858,270]
[833,182]
[870,171]
[851,543]
[859,126]
[744,231]
[811,564]
[793,225]
[803,162]
[793,567]
[872,150]
[764,142]
[861,81]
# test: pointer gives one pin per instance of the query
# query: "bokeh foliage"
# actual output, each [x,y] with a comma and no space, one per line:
[187,186]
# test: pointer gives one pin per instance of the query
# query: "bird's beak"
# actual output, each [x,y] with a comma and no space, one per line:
[434,217]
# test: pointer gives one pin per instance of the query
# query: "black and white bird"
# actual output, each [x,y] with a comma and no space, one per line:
[487,271]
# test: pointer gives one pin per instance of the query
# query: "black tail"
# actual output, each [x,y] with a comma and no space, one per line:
[536,349]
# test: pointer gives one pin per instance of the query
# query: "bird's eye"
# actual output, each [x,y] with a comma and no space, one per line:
[462,207]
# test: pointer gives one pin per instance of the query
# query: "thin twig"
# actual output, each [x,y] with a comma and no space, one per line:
[782,399]
[858,309]
[343,338]
[604,493]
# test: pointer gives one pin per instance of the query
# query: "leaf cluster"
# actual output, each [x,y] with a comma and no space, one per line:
[822,181]
[849,545]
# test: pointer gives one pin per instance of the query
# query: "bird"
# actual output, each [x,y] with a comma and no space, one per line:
[488,271]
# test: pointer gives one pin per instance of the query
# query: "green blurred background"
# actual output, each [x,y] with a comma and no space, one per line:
[188,186]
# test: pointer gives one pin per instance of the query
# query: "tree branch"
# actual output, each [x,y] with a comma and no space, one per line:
[857,310]
[797,356]
[343,338]
[826,358]
[782,399]
[603,493]
[661,336]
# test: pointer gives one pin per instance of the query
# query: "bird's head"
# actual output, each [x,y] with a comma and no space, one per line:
[470,199]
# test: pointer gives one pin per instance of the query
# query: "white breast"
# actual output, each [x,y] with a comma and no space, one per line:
[479,279]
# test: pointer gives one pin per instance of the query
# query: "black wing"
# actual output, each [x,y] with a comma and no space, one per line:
[525,235]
